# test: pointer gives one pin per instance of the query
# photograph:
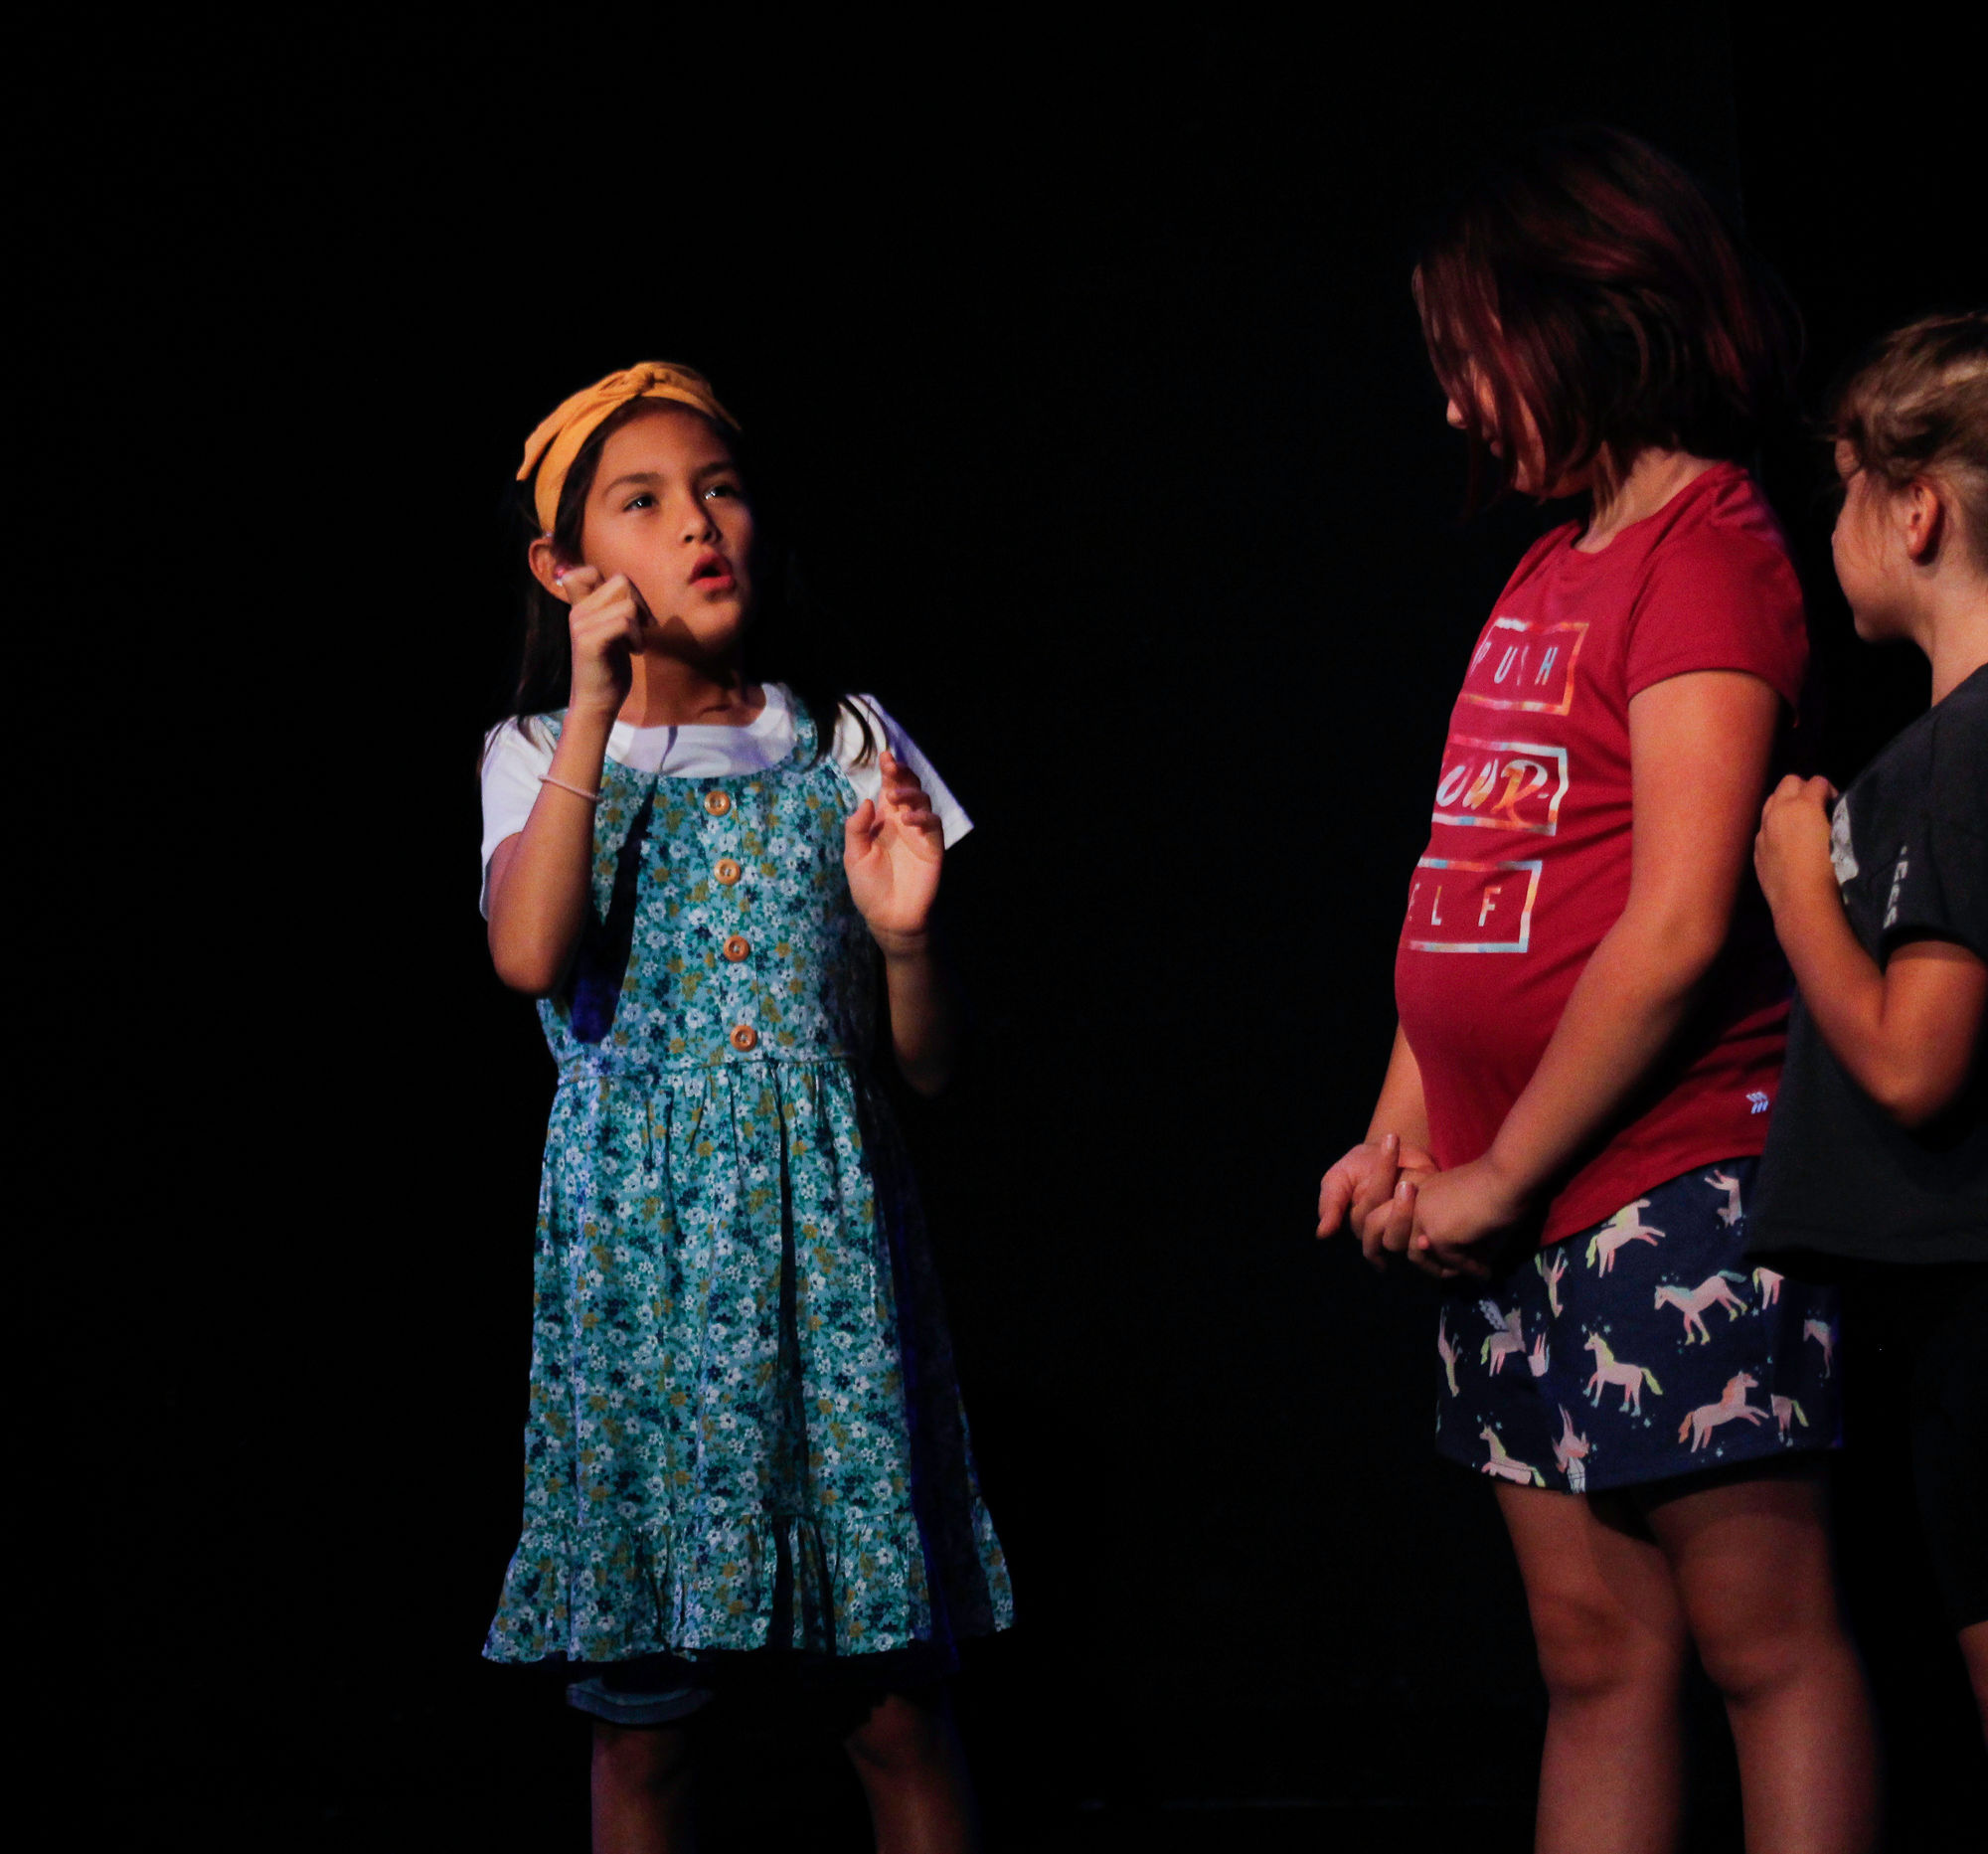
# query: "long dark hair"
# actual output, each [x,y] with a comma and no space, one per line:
[1592,282]
[791,639]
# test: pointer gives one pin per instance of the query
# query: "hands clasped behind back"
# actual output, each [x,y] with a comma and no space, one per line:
[1372,1192]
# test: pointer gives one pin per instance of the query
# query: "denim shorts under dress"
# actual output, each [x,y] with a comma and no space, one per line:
[665,1689]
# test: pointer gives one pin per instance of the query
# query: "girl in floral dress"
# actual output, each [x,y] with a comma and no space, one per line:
[744,1434]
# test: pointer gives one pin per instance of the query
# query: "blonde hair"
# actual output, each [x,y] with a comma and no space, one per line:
[1917,409]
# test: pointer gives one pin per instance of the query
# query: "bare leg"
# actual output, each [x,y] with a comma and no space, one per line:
[914,1774]
[1752,1561]
[1612,1645]
[1974,1650]
[641,1789]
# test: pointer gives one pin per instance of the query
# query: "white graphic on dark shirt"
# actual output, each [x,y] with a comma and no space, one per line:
[1842,856]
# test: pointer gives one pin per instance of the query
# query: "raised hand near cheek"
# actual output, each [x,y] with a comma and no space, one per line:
[606,626]
[893,846]
[1791,852]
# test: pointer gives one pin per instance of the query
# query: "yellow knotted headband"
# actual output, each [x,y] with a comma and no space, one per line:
[552,448]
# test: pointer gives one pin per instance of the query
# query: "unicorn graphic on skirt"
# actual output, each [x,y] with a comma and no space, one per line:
[1509,1336]
[1570,1452]
[1627,1378]
[1624,1227]
[1731,1403]
[1550,1272]
[1504,1466]
[1725,1181]
[1691,1302]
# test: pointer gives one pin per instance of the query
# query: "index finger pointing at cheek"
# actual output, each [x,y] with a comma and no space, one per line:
[577,583]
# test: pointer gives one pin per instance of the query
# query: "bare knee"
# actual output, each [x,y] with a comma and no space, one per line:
[1751,1555]
[641,1759]
[1756,1637]
[1593,1652]
[1744,1660]
[900,1735]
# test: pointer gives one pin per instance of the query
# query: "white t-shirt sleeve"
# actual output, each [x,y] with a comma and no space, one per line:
[514,760]
[512,764]
[867,777]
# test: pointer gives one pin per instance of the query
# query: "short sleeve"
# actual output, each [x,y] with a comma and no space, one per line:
[1937,886]
[512,762]
[1721,596]
[867,777]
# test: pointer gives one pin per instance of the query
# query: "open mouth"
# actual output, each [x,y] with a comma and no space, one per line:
[710,566]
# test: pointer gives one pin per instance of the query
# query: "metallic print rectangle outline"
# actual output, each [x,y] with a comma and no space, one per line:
[1523,943]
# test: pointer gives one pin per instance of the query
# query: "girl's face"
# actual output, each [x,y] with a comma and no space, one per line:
[668,509]
[1871,564]
[1524,466]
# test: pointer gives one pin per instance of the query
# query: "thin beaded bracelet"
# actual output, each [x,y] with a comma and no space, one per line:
[579,791]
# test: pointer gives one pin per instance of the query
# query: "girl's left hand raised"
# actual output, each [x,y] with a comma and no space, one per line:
[1791,852]
[891,849]
[1460,1215]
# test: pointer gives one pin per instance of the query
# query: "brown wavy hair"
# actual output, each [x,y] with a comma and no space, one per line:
[1916,407]
[1590,282]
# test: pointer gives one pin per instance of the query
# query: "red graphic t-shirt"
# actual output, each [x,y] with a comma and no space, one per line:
[1527,862]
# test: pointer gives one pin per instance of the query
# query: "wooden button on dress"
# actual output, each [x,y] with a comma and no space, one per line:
[737,948]
[727,872]
[745,1038]
[717,804]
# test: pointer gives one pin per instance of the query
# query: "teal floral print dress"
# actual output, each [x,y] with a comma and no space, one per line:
[744,1430]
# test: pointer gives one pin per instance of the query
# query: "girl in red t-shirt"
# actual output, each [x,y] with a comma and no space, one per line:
[1593,1015]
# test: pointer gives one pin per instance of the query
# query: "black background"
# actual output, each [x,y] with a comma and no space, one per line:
[1087,363]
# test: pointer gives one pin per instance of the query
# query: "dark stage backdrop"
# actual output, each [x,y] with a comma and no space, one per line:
[1089,372]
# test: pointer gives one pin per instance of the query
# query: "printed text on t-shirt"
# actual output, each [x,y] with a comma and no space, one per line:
[1501,785]
[1466,907]
[1520,663]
